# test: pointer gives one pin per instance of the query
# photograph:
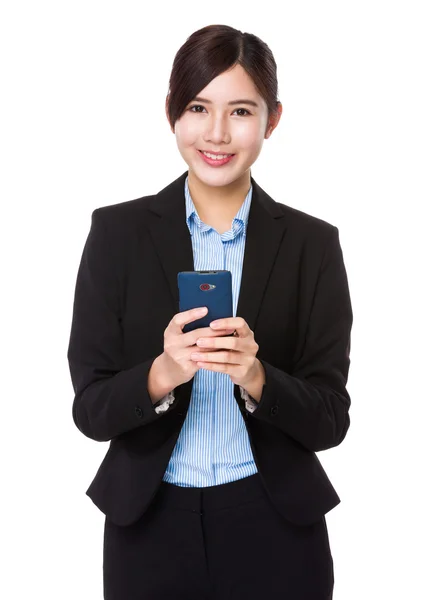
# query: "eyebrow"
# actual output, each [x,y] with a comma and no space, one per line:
[243,101]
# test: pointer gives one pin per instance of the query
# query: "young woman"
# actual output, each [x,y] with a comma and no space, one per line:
[211,485]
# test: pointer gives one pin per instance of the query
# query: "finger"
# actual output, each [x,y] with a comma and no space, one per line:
[234,323]
[190,337]
[227,342]
[187,316]
[215,357]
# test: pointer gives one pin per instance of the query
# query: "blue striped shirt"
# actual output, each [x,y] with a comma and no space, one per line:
[213,446]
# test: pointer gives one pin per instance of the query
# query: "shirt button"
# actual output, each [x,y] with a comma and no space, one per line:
[138,412]
[274,410]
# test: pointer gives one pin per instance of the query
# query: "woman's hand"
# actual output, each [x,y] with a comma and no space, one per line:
[235,356]
[176,365]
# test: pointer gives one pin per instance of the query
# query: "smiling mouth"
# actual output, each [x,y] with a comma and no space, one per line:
[216,154]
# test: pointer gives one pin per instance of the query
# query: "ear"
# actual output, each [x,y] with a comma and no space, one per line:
[273,120]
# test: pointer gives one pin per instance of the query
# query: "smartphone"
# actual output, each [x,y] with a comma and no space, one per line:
[205,288]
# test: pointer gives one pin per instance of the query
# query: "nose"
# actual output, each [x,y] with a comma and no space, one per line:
[217,130]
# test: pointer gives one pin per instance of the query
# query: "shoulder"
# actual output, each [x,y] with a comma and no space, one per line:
[299,223]
[306,231]
[124,213]
[310,223]
[123,220]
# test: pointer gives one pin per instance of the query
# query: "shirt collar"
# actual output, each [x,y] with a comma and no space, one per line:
[239,222]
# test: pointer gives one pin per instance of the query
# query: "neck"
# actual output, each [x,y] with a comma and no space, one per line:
[218,203]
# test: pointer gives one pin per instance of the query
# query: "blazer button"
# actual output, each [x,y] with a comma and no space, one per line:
[274,410]
[138,412]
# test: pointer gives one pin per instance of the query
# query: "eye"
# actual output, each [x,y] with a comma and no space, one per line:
[245,109]
[196,106]
[200,106]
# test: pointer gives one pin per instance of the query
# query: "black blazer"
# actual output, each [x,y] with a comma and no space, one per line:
[294,296]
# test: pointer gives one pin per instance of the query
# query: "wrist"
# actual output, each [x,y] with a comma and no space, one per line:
[255,385]
[158,382]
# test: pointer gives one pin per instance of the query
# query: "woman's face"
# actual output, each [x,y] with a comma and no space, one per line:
[211,124]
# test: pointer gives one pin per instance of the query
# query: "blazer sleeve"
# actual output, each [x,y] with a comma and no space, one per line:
[311,403]
[109,400]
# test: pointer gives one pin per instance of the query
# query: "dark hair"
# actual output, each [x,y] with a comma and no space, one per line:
[209,52]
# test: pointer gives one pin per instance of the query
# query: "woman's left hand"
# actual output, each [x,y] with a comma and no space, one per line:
[235,355]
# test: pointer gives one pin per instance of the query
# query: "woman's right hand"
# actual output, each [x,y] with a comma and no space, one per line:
[178,346]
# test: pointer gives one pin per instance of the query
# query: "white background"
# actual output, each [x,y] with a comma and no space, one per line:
[83,125]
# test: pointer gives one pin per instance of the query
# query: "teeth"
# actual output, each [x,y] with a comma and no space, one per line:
[216,156]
